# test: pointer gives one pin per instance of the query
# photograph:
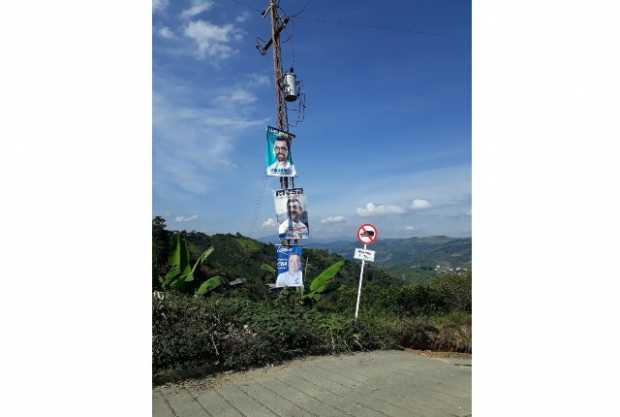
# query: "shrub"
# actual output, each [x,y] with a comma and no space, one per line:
[220,333]
[418,333]
[195,335]
[188,330]
[420,300]
[453,338]
[455,333]
[455,290]
[446,333]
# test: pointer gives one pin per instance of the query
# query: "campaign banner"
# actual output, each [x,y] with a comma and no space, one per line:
[291,214]
[278,158]
[288,261]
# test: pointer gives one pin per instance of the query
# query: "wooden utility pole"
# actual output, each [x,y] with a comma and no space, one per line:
[277,26]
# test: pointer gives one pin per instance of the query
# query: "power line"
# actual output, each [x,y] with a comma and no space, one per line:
[303,9]
[345,23]
[299,15]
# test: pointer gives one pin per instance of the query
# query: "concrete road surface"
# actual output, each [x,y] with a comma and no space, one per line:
[370,384]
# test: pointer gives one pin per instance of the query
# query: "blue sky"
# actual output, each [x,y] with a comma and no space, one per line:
[387,132]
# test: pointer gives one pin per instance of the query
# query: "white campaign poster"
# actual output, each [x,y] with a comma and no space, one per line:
[291,214]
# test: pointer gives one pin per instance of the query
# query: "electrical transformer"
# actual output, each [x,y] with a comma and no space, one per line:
[290,86]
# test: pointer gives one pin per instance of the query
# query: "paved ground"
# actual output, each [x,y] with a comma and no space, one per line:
[372,384]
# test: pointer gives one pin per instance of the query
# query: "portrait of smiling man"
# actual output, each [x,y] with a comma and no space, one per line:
[278,158]
[293,275]
[294,227]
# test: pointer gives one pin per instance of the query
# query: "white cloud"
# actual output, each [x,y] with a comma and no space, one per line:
[197,7]
[409,228]
[166,33]
[212,40]
[243,17]
[236,96]
[447,188]
[159,5]
[419,204]
[257,80]
[193,143]
[269,223]
[333,220]
[185,219]
[232,122]
[379,210]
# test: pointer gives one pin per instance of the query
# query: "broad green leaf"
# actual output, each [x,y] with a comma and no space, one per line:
[187,275]
[202,258]
[267,268]
[179,257]
[209,285]
[179,263]
[319,283]
[312,296]
[170,277]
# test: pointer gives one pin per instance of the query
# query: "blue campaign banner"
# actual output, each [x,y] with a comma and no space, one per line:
[288,266]
[278,157]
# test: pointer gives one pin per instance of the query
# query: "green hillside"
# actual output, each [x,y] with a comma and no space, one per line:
[215,308]
[416,259]
[237,257]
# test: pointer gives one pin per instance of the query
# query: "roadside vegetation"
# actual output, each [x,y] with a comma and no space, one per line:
[214,311]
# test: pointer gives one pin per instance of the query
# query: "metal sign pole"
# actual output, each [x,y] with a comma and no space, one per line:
[359,288]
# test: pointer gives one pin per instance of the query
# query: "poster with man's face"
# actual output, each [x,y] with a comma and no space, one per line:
[289,266]
[278,158]
[291,214]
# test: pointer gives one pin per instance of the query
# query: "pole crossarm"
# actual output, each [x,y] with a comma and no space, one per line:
[264,48]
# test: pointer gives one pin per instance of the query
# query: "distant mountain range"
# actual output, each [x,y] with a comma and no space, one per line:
[417,258]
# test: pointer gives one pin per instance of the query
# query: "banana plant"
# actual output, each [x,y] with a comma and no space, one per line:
[209,285]
[268,268]
[181,270]
[321,282]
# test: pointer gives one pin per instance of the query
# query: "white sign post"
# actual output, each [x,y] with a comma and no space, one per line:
[366,233]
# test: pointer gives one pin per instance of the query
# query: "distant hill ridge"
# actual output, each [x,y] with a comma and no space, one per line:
[412,259]
[448,252]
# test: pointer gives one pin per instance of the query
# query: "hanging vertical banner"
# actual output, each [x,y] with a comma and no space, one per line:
[289,266]
[291,214]
[278,158]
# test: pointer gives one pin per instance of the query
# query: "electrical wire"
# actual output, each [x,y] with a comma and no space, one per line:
[343,23]
[293,46]
[303,9]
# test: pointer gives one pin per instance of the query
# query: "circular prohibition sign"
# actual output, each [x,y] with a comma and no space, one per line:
[367,234]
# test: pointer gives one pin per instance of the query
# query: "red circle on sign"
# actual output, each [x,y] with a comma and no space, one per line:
[363,229]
